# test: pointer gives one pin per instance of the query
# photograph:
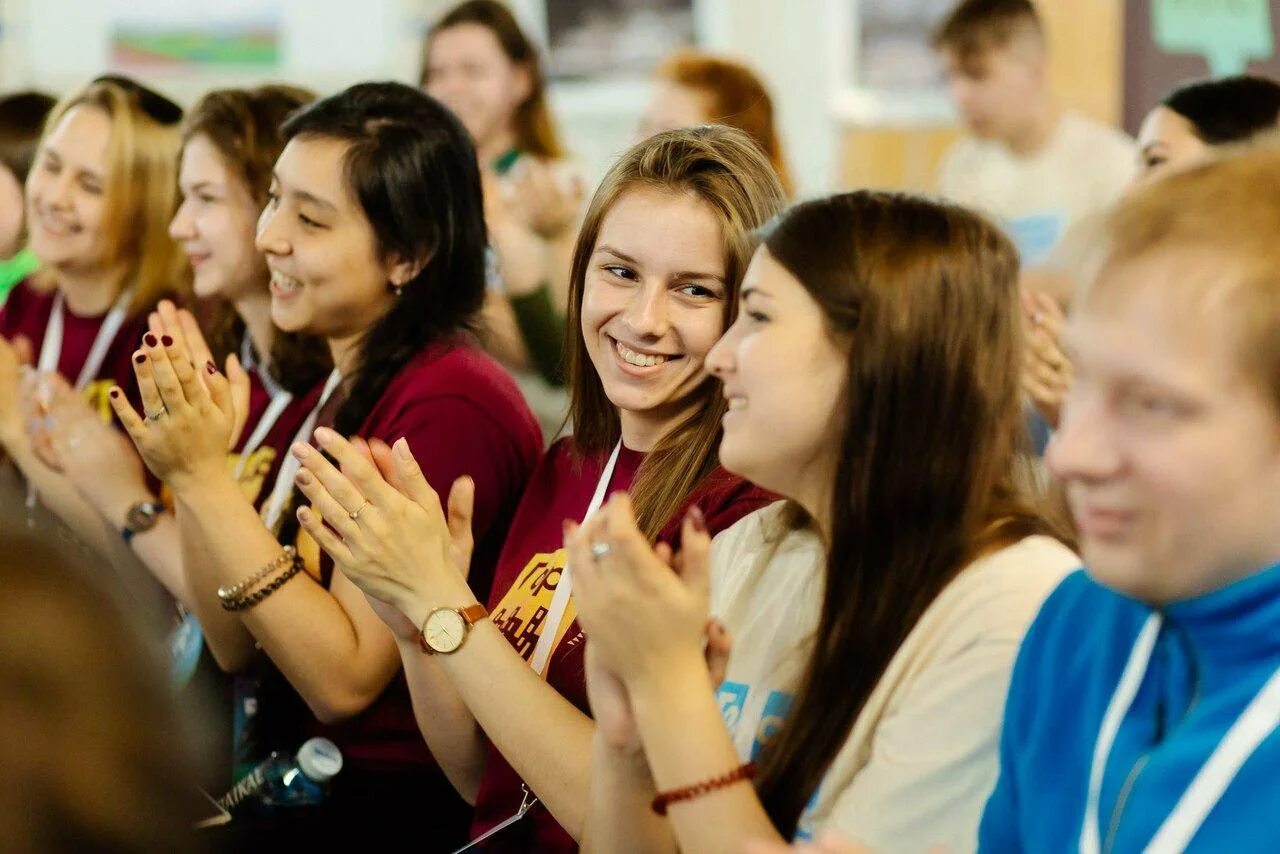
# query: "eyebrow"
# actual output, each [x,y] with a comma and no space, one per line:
[678,276]
[756,291]
[303,195]
[80,170]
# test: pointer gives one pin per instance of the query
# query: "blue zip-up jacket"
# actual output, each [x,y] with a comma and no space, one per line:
[1212,656]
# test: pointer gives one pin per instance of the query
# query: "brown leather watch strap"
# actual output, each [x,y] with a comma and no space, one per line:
[473,614]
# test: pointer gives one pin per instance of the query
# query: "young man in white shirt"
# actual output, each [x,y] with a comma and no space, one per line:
[1028,162]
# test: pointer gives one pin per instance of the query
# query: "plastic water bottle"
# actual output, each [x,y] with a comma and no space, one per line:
[283,782]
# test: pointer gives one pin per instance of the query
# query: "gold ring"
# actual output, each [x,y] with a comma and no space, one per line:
[355,514]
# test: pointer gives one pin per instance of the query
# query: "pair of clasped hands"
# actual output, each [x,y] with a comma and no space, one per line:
[72,437]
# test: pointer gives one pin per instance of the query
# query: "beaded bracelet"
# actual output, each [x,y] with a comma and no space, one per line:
[227,594]
[665,799]
[251,599]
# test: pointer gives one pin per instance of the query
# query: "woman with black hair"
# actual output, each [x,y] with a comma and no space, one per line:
[374,236]
[1184,128]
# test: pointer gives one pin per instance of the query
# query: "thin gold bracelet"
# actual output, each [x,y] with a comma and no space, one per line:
[251,599]
[226,594]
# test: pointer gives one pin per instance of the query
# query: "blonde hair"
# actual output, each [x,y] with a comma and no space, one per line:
[1229,206]
[723,168]
[141,192]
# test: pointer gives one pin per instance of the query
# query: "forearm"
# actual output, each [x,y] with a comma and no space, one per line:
[59,495]
[621,818]
[686,742]
[302,627]
[560,265]
[160,551]
[545,738]
[447,725]
[543,328]
[501,335]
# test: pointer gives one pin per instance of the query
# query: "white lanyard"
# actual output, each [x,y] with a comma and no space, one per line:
[283,488]
[1255,723]
[51,347]
[280,400]
[564,587]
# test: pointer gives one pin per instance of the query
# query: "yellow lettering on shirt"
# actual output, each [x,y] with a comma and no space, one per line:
[523,610]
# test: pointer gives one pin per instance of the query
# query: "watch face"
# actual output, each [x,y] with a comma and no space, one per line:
[141,517]
[445,630]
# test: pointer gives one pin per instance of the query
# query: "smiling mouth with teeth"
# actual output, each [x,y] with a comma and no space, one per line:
[640,360]
[284,284]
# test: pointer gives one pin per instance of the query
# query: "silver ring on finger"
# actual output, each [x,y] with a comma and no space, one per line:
[155,416]
[355,514]
[600,551]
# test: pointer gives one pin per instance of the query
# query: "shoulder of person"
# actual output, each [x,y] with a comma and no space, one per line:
[1100,138]
[457,368]
[725,498]
[996,596]
[768,532]
[960,155]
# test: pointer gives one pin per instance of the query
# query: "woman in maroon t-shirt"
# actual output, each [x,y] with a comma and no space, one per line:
[655,280]
[99,197]
[374,235]
[231,139]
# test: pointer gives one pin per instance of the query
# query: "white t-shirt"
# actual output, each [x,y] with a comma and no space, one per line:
[921,760]
[1083,167]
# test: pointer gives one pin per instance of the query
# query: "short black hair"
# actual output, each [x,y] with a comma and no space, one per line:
[1230,109]
[974,26]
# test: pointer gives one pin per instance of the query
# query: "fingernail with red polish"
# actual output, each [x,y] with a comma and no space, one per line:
[211,368]
[149,339]
[115,393]
[697,519]
[166,340]
[140,358]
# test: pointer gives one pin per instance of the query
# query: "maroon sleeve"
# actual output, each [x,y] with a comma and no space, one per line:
[723,499]
[451,436]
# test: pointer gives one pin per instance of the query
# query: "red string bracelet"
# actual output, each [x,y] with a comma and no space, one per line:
[665,799]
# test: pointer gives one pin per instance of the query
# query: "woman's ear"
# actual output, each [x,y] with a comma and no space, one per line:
[402,271]
[523,83]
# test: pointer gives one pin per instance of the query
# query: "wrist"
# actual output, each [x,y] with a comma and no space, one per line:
[116,508]
[667,682]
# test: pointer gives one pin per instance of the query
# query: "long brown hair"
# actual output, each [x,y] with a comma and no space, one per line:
[725,169]
[141,189]
[924,297]
[535,129]
[244,126]
[735,97]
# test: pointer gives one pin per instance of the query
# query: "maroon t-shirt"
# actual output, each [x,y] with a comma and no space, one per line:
[527,573]
[461,413]
[26,314]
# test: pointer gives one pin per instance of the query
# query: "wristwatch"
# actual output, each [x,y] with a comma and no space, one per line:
[445,629]
[139,518]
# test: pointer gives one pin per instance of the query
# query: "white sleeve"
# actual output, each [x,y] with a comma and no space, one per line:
[952,171]
[933,762]
[1114,166]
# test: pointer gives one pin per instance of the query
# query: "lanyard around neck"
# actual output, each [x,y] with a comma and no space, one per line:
[1255,723]
[283,488]
[564,587]
[55,331]
[280,400]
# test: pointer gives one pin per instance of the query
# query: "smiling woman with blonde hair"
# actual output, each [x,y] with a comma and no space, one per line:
[99,197]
